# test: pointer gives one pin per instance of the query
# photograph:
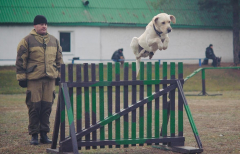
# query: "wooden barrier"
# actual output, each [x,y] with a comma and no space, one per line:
[121,111]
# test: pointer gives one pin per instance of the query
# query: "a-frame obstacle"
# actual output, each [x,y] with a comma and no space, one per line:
[127,121]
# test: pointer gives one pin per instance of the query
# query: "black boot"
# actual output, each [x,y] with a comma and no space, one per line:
[34,140]
[44,139]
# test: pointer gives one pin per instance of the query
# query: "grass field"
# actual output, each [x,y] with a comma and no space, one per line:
[217,118]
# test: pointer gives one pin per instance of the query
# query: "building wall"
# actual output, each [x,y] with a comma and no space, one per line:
[184,43]
[100,42]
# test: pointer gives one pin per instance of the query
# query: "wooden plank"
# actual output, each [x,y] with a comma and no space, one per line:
[86,101]
[109,95]
[79,100]
[94,101]
[141,109]
[134,101]
[165,104]
[70,79]
[120,83]
[129,141]
[172,102]
[67,101]
[189,114]
[179,149]
[157,108]
[180,102]
[101,102]
[117,105]
[62,105]
[149,104]
[70,89]
[125,102]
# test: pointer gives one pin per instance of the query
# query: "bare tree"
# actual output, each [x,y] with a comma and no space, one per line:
[217,9]
[236,46]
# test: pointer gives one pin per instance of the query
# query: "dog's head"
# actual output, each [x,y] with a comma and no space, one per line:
[162,22]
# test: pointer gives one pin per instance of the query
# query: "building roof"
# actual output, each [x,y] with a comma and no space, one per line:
[109,13]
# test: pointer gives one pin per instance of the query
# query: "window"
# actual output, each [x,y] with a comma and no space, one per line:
[65,41]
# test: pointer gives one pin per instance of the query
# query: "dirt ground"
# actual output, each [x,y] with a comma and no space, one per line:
[217,119]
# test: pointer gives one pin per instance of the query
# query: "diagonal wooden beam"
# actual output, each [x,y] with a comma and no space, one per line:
[67,141]
[190,118]
[70,117]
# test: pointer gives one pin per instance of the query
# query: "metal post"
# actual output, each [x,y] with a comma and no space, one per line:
[203,82]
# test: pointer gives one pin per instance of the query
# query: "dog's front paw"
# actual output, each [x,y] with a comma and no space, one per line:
[164,48]
[160,47]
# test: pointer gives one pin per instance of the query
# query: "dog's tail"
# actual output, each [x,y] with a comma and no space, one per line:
[138,65]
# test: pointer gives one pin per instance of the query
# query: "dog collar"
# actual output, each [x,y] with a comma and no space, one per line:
[157,32]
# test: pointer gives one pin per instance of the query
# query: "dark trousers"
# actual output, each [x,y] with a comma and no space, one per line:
[39,99]
[214,61]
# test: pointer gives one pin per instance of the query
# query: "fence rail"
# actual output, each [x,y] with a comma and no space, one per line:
[129,60]
[203,92]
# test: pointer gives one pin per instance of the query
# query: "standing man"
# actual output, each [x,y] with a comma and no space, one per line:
[118,56]
[39,56]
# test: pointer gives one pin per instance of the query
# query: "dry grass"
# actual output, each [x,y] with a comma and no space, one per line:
[217,119]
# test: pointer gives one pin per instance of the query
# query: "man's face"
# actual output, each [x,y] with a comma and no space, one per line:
[41,28]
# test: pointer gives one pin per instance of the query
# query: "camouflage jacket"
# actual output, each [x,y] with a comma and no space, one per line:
[38,56]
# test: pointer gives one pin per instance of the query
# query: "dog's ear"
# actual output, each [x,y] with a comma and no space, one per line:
[173,19]
[155,19]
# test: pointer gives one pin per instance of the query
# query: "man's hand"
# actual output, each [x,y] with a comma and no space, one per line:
[23,83]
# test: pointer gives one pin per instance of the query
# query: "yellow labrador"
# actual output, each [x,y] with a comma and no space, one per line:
[154,37]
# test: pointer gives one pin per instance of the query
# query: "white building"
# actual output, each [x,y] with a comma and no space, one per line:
[95,31]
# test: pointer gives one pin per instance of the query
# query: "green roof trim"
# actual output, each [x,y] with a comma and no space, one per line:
[113,13]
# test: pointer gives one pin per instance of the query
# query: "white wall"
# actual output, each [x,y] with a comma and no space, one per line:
[189,43]
[184,43]
[101,42]
[84,42]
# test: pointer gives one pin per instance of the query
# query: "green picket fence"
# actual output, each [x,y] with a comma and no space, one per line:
[143,112]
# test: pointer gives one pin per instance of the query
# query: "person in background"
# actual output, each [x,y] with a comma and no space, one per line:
[210,55]
[118,56]
[39,56]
